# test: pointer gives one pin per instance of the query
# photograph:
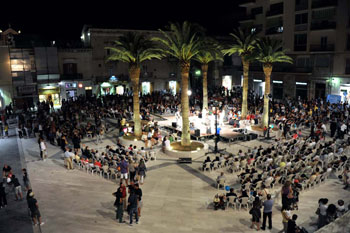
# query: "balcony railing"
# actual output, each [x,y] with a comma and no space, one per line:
[321,48]
[274,30]
[282,69]
[247,18]
[322,25]
[76,76]
[300,27]
[323,3]
[274,12]
[300,47]
[245,3]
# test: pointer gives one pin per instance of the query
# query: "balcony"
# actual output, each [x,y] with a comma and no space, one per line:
[324,3]
[300,27]
[246,3]
[281,69]
[300,47]
[275,12]
[323,25]
[247,18]
[321,48]
[76,76]
[274,30]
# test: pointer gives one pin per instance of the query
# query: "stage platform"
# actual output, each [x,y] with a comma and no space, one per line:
[227,132]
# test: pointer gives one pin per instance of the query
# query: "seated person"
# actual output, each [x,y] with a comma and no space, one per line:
[231,194]
[220,177]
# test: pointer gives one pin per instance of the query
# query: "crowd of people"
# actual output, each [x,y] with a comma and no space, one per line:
[295,161]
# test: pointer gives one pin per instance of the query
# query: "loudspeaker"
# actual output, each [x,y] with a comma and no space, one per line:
[174,124]
[197,132]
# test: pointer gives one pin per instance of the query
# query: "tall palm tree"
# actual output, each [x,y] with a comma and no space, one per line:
[243,45]
[182,41]
[269,51]
[133,48]
[211,51]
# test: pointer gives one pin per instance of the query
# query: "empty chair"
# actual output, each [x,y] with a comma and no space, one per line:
[221,183]
[245,202]
[105,170]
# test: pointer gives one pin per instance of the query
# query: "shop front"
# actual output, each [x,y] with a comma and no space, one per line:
[107,89]
[173,87]
[48,93]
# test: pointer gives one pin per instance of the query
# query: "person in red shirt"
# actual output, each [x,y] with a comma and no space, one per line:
[97,164]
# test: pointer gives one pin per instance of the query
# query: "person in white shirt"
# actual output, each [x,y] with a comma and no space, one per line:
[68,156]
[43,147]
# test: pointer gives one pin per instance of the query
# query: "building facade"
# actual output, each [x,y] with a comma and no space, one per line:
[315,33]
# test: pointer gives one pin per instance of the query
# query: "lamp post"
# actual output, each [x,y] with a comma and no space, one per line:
[268,115]
[217,136]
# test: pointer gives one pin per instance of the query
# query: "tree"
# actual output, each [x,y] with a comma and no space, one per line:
[269,51]
[182,42]
[134,48]
[243,45]
[210,51]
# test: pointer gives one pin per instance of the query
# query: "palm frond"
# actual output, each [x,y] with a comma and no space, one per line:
[270,51]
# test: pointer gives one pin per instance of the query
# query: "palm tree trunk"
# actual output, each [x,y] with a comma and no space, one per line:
[245,88]
[134,73]
[186,136]
[267,71]
[205,85]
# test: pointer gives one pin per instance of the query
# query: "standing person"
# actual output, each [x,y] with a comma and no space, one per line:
[286,191]
[141,171]
[138,192]
[18,188]
[3,200]
[43,148]
[256,215]
[34,209]
[132,170]
[268,204]
[132,205]
[286,216]
[119,204]
[68,156]
[322,215]
[26,181]
[292,226]
[124,166]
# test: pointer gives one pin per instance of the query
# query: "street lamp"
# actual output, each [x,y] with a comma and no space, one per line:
[217,136]
[268,115]
[189,92]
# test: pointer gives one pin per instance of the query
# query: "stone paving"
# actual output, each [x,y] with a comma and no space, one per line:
[176,196]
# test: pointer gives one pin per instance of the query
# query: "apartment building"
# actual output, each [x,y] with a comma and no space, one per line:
[113,77]
[316,33]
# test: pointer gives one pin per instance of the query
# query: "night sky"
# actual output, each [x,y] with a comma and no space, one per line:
[65,19]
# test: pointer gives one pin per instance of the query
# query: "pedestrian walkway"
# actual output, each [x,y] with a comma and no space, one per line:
[15,217]
[176,197]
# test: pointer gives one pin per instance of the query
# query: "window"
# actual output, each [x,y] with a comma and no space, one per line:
[108,52]
[323,14]
[70,68]
[257,10]
[348,42]
[324,41]
[303,62]
[300,41]
[322,61]
[301,19]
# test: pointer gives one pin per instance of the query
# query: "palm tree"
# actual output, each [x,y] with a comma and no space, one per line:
[134,48]
[269,51]
[182,42]
[211,51]
[243,45]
